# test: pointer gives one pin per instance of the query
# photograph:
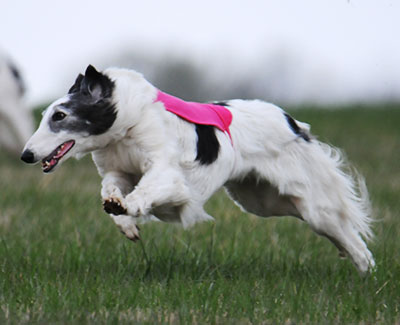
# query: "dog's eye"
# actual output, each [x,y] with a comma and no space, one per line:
[58,116]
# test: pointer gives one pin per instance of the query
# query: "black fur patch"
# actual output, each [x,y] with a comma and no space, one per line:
[77,85]
[207,144]
[296,129]
[90,118]
[16,74]
[221,103]
[89,108]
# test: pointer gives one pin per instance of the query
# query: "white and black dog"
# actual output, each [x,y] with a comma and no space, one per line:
[158,165]
[16,122]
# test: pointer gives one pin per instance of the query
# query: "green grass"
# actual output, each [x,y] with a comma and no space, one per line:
[63,260]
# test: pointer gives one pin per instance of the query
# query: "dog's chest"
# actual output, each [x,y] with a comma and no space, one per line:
[121,158]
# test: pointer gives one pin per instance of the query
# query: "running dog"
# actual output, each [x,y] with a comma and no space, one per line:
[162,158]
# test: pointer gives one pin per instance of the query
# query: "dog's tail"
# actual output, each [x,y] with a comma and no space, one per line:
[352,192]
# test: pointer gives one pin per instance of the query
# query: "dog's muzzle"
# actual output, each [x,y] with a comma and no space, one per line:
[28,156]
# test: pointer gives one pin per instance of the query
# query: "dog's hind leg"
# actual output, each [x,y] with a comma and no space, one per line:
[334,202]
[307,180]
[338,229]
[263,199]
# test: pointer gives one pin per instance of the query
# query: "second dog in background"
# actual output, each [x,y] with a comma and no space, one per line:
[16,121]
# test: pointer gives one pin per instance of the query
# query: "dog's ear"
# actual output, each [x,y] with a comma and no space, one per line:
[96,84]
[77,85]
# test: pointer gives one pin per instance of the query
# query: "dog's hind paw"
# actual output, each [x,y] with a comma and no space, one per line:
[114,206]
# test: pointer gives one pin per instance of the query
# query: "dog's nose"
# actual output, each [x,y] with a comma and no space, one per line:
[28,156]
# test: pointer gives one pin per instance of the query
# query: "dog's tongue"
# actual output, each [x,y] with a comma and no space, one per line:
[63,150]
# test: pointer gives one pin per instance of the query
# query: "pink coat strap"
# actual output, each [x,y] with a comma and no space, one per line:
[198,113]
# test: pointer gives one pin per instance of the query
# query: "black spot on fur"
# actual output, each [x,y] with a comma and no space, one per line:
[207,144]
[296,129]
[17,75]
[93,119]
[90,108]
[221,103]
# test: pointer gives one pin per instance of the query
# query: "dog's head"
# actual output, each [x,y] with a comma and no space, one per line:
[73,124]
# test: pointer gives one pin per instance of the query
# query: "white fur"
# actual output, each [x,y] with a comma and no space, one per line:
[16,123]
[147,162]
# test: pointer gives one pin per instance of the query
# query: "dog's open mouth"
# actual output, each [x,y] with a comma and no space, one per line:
[52,160]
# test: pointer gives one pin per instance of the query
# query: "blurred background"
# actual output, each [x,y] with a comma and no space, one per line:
[288,52]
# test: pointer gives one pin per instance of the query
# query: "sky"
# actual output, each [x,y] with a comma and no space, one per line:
[339,50]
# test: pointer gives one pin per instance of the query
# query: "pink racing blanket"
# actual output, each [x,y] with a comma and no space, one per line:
[205,114]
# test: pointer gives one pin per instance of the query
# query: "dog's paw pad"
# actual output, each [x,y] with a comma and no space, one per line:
[114,206]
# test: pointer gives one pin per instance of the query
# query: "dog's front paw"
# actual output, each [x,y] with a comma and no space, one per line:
[127,226]
[110,190]
[131,232]
[114,206]
[136,207]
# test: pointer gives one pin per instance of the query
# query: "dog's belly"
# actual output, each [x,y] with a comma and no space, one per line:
[261,198]
[167,213]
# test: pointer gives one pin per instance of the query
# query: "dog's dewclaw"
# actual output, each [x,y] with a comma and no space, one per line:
[113,206]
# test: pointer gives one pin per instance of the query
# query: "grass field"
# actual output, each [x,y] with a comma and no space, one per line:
[63,260]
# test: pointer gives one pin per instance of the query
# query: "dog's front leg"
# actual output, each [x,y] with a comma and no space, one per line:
[159,186]
[112,188]
[114,185]
[127,226]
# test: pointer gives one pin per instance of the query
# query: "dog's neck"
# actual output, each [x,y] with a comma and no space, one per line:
[134,94]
